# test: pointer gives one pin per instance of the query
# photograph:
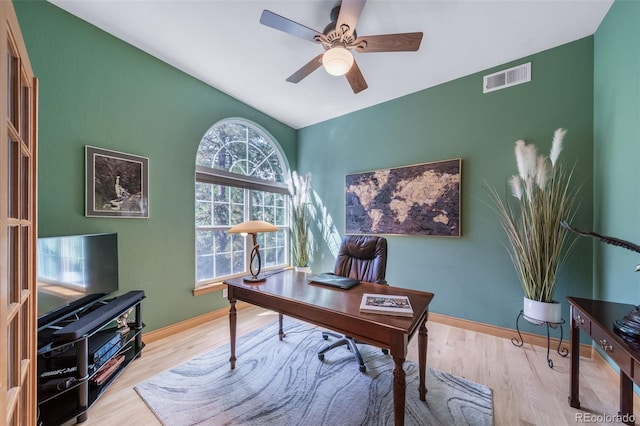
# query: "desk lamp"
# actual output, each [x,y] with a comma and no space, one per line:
[252,227]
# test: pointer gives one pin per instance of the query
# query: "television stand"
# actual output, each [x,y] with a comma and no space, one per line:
[85,355]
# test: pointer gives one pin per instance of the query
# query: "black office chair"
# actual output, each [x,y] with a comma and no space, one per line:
[364,258]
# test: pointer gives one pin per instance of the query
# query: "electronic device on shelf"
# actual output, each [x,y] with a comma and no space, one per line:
[74,273]
[84,353]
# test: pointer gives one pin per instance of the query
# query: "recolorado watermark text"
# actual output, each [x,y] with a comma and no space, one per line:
[605,418]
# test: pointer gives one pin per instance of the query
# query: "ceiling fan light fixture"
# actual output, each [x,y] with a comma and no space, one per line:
[337,60]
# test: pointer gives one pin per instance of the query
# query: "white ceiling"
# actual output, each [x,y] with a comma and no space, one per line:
[222,43]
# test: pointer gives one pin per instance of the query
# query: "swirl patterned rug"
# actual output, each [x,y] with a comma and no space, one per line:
[284,383]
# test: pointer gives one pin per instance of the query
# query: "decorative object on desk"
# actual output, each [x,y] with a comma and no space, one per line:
[301,219]
[117,184]
[283,383]
[386,304]
[252,227]
[628,327]
[542,197]
[422,199]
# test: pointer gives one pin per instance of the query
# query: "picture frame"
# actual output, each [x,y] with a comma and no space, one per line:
[116,184]
[421,199]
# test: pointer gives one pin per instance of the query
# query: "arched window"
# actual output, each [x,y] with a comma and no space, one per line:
[240,175]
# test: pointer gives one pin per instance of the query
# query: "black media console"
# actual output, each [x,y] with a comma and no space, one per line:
[80,355]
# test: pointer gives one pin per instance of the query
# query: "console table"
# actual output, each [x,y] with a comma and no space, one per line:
[596,318]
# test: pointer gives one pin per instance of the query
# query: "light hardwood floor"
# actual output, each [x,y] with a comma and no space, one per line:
[525,390]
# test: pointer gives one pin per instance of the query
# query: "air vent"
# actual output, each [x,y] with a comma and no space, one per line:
[507,78]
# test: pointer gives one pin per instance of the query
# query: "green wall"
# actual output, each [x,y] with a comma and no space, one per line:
[471,276]
[617,151]
[97,90]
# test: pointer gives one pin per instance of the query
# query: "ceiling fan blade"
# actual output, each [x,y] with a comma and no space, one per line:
[288,26]
[356,79]
[401,42]
[350,11]
[307,69]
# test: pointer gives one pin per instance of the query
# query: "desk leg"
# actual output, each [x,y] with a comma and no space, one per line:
[574,399]
[423,338]
[399,391]
[626,397]
[232,330]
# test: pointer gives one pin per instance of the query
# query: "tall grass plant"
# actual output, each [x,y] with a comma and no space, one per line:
[301,218]
[541,197]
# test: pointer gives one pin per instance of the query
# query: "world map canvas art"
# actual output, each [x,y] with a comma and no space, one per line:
[422,199]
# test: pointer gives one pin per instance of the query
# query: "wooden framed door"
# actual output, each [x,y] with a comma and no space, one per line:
[18,214]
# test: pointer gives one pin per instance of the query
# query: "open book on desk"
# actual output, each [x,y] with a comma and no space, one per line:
[386,304]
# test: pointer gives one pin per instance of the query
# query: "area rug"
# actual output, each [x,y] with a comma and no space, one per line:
[283,383]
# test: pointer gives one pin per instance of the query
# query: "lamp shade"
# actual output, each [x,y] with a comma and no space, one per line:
[337,60]
[252,227]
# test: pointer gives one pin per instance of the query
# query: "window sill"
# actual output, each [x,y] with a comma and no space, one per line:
[219,286]
[209,288]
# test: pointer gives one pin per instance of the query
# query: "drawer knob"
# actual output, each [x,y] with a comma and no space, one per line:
[580,319]
[606,345]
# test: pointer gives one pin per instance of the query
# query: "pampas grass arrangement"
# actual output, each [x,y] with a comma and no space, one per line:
[301,217]
[542,198]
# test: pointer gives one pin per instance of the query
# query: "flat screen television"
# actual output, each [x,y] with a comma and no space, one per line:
[74,272]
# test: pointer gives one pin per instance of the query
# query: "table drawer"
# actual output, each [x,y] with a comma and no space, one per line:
[581,321]
[612,349]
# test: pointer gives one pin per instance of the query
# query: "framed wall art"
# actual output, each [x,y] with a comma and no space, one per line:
[422,199]
[117,184]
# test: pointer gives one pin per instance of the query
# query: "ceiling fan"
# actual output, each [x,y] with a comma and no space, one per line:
[339,39]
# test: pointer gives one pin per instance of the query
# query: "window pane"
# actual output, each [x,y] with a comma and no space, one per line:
[203,191]
[204,255]
[12,86]
[221,193]
[240,148]
[223,264]
[221,214]
[280,217]
[203,214]
[237,196]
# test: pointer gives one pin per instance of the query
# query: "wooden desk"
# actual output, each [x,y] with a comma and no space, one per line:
[596,318]
[289,293]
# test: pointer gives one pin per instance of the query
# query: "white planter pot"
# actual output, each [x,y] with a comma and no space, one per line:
[305,269]
[540,312]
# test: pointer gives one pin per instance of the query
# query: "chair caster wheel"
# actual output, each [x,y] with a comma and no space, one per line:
[321,357]
[385,351]
[363,369]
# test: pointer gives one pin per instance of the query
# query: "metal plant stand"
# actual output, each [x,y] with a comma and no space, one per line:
[517,341]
